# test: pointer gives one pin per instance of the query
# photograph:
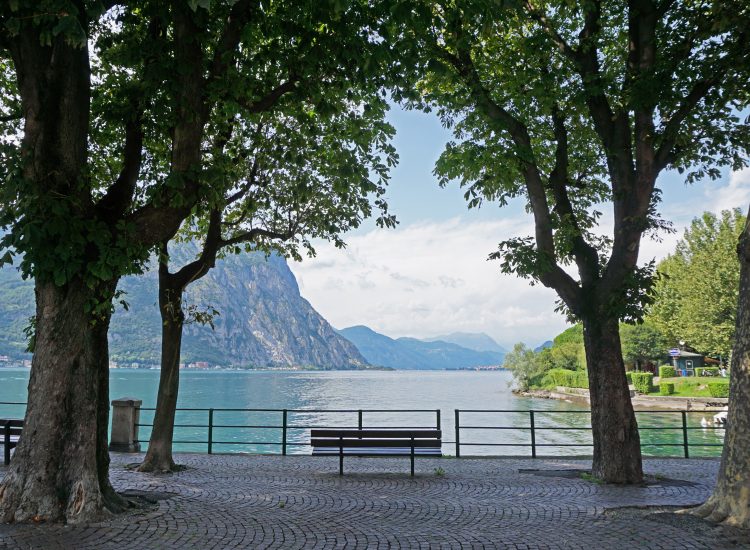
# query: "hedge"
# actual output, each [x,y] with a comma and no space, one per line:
[560,377]
[643,381]
[579,379]
[666,388]
[628,375]
[718,389]
[667,371]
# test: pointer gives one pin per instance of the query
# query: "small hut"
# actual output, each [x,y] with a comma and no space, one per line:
[686,362]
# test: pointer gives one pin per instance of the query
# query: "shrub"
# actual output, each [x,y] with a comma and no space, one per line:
[666,388]
[628,375]
[643,381]
[560,377]
[667,371]
[718,389]
[708,371]
[579,379]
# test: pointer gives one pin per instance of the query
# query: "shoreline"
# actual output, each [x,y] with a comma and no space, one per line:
[640,402]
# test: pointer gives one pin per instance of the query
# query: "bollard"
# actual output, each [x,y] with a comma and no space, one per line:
[126,413]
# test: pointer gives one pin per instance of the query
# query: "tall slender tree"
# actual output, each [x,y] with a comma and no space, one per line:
[276,203]
[572,105]
[118,101]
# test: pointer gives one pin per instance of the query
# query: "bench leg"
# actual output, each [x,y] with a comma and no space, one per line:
[412,457]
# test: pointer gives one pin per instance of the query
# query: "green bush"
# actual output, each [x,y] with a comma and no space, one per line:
[560,377]
[643,381]
[628,375]
[718,389]
[708,371]
[667,371]
[666,388]
[579,379]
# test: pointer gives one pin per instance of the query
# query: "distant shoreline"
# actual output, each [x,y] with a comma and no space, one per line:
[578,395]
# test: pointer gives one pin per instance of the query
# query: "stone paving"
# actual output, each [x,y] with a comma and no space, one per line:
[236,501]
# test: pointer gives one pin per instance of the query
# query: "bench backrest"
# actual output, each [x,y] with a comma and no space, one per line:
[375,437]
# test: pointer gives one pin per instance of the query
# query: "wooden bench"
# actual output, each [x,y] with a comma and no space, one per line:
[376,442]
[12,429]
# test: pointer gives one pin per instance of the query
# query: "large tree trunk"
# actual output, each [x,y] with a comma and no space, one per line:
[730,501]
[60,467]
[617,447]
[159,454]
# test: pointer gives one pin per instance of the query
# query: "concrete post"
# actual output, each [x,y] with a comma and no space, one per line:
[126,413]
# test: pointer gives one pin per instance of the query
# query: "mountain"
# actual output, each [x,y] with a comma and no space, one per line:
[413,354]
[263,321]
[545,345]
[478,341]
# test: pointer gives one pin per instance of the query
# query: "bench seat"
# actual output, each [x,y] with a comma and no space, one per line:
[10,433]
[376,442]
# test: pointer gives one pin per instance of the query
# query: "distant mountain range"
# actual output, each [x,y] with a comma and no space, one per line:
[263,321]
[413,354]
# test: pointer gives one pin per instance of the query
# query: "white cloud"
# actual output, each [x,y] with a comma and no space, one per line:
[433,277]
[427,279]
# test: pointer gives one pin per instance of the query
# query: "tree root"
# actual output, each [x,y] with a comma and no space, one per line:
[719,512]
[159,467]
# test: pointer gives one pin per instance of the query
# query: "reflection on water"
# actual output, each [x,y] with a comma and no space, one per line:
[508,433]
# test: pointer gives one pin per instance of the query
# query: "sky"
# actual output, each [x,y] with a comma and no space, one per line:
[430,275]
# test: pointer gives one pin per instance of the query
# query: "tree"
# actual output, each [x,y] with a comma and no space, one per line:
[118,103]
[730,501]
[571,105]
[695,296]
[275,204]
[522,363]
[642,343]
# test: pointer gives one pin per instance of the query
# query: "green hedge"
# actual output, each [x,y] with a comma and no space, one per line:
[560,377]
[666,388]
[718,389]
[643,382]
[708,371]
[579,379]
[667,371]
[628,375]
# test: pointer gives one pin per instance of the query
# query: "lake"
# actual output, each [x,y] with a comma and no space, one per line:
[309,395]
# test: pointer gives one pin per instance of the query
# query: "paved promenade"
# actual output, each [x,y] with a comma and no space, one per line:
[230,501]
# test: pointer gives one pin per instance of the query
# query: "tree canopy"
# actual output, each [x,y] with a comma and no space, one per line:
[695,297]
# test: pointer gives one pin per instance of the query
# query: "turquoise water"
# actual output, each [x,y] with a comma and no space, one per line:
[307,395]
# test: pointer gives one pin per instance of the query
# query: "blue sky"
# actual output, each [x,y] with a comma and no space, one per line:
[430,276]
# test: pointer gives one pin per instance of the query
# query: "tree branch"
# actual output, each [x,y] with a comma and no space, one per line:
[270,99]
[119,196]
[504,121]
[585,255]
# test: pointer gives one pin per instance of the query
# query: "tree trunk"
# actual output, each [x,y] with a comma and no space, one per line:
[60,467]
[159,454]
[730,501]
[617,450]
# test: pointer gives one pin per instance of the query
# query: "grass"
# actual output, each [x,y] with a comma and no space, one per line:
[691,386]
[591,478]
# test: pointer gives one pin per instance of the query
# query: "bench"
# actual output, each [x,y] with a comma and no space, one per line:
[376,442]
[12,429]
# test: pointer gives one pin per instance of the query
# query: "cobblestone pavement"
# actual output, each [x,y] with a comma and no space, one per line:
[232,501]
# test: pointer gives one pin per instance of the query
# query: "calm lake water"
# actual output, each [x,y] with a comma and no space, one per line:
[311,396]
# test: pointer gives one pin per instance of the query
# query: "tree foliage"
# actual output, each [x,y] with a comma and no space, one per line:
[696,295]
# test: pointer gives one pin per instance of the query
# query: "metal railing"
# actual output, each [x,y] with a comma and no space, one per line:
[287,425]
[291,431]
[533,429]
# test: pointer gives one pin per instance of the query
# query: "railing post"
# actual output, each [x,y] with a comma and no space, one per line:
[458,436]
[359,418]
[283,432]
[685,434]
[533,434]
[437,419]
[210,430]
